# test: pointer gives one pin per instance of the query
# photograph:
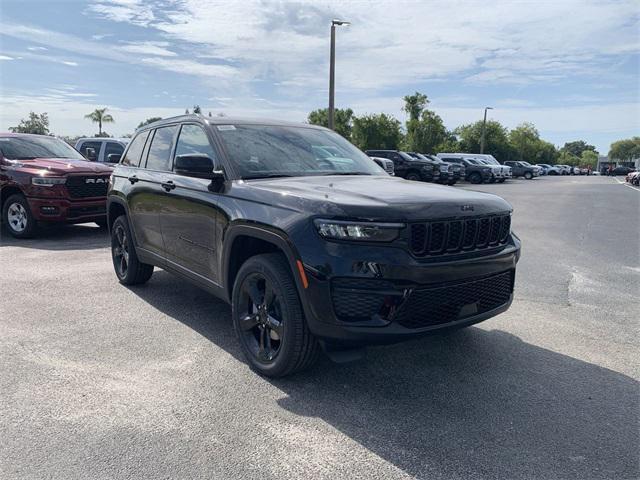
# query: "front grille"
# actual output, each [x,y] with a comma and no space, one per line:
[447,303]
[87,186]
[455,236]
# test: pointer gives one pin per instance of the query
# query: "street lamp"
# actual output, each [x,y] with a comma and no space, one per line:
[332,68]
[484,124]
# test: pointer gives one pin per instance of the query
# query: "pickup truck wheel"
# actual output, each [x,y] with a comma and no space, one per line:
[413,176]
[268,318]
[528,175]
[501,180]
[129,269]
[475,177]
[17,214]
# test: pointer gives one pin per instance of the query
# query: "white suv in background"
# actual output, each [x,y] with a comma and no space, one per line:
[104,150]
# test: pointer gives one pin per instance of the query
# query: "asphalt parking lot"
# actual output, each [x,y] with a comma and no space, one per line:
[103,381]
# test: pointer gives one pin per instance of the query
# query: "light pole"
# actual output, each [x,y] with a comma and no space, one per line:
[484,125]
[332,68]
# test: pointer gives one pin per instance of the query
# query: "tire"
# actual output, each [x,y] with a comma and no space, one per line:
[451,183]
[129,269]
[413,176]
[475,178]
[271,327]
[528,175]
[553,174]
[18,217]
[501,180]
[492,180]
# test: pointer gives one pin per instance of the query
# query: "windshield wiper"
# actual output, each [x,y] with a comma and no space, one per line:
[346,173]
[269,175]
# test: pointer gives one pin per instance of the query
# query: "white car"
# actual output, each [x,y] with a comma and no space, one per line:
[564,169]
[102,149]
[550,169]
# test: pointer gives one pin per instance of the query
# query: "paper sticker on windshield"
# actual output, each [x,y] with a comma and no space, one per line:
[224,128]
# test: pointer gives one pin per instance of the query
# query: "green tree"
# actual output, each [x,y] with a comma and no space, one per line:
[496,136]
[625,150]
[343,120]
[577,147]
[567,158]
[376,131]
[589,159]
[148,121]
[100,116]
[38,124]
[427,134]
[414,105]
[525,141]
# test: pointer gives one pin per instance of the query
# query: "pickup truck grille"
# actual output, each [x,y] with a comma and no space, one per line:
[87,186]
[455,236]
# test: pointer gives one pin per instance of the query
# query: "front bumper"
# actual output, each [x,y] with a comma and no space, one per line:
[62,210]
[365,294]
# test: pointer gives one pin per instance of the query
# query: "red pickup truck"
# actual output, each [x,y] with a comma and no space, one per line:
[44,180]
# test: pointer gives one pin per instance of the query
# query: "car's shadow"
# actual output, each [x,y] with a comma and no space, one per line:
[60,237]
[472,404]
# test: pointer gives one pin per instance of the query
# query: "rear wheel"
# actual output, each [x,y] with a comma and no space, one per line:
[129,269]
[268,318]
[17,215]
[475,177]
[413,176]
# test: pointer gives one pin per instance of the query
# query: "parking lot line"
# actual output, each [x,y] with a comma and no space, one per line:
[626,184]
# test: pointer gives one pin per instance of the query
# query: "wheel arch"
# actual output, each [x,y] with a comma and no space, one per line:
[245,241]
[7,191]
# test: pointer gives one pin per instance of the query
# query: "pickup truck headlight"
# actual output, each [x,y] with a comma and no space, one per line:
[362,231]
[428,168]
[47,181]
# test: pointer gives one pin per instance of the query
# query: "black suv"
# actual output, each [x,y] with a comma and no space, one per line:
[405,166]
[475,170]
[311,253]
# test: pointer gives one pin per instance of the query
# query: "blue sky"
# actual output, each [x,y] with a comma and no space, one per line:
[570,67]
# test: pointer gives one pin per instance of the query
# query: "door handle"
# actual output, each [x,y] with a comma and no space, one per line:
[133,179]
[168,185]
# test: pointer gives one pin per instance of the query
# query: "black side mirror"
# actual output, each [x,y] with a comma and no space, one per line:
[91,154]
[196,165]
[114,158]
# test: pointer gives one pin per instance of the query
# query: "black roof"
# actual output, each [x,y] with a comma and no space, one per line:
[229,121]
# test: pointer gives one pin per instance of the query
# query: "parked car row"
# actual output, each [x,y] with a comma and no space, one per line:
[315,247]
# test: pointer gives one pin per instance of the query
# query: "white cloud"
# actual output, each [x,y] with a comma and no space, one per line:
[137,12]
[69,63]
[148,48]
[6,57]
[37,49]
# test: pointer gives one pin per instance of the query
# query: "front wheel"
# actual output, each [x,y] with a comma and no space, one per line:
[17,214]
[528,175]
[268,318]
[129,269]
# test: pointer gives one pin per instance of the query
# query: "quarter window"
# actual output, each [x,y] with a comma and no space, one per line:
[159,157]
[132,158]
[193,139]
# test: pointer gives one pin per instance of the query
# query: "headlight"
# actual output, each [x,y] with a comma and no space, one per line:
[444,168]
[427,167]
[363,231]
[47,181]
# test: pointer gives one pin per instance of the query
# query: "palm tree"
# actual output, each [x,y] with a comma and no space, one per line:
[99,116]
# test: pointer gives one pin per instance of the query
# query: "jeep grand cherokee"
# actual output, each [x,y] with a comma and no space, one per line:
[44,180]
[311,254]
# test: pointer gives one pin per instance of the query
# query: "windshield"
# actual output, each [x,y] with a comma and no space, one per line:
[30,147]
[263,151]
[526,164]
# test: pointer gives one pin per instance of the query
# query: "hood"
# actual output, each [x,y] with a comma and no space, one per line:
[62,166]
[369,197]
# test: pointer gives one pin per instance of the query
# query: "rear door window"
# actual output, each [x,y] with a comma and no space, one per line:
[159,157]
[132,158]
[112,148]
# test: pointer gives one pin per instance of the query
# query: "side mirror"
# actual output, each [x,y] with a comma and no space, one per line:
[114,158]
[90,153]
[196,165]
